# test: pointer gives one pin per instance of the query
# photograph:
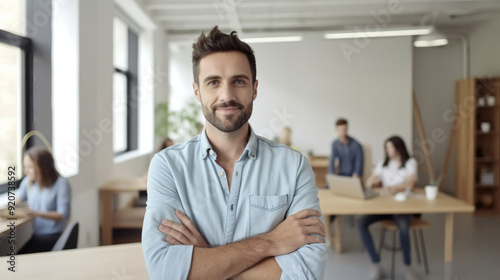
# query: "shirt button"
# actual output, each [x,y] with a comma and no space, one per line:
[221,173]
[252,155]
[211,152]
[236,173]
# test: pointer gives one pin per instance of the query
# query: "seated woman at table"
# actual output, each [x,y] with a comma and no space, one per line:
[48,195]
[396,173]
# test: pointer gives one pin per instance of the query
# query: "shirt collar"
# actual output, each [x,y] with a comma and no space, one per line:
[250,149]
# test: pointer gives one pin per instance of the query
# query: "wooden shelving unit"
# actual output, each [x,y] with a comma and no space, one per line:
[477,151]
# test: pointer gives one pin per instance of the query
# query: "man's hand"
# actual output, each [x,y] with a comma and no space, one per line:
[295,232]
[182,234]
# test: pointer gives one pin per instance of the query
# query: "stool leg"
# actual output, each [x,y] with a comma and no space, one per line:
[393,253]
[351,220]
[417,249]
[382,236]
[424,253]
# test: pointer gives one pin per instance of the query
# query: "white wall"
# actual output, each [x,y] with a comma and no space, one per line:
[435,71]
[95,84]
[484,46]
[308,85]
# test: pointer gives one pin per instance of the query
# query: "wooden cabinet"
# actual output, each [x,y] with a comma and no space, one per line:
[477,131]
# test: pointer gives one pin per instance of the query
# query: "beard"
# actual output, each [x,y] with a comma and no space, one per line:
[227,123]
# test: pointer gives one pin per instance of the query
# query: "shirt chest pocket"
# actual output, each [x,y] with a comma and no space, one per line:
[266,212]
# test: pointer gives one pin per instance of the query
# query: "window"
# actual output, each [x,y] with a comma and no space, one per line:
[125,107]
[16,60]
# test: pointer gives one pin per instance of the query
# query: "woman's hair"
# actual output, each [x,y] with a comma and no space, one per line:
[216,41]
[400,147]
[44,165]
[164,144]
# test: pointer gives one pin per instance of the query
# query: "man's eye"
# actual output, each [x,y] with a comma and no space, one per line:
[212,83]
[239,82]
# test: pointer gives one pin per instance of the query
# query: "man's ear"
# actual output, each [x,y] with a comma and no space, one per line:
[196,90]
[255,89]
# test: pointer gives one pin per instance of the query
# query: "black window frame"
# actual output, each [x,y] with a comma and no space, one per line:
[26,46]
[131,76]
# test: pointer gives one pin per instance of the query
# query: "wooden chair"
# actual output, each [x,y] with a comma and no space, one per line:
[417,225]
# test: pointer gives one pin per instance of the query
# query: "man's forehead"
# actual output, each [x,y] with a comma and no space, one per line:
[233,61]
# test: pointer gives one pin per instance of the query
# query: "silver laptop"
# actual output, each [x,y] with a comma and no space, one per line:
[348,186]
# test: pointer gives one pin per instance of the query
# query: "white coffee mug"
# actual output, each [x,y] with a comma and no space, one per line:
[485,127]
[431,192]
[490,100]
[481,102]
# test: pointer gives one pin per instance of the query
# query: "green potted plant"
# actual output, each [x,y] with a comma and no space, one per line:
[178,125]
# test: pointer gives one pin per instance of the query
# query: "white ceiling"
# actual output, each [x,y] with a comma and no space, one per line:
[186,17]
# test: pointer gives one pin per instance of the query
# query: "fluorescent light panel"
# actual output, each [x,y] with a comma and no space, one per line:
[381,33]
[433,43]
[273,39]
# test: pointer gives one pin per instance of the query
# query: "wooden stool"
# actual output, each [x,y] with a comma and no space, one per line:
[417,225]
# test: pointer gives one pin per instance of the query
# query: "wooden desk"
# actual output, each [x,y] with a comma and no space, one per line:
[23,233]
[319,165]
[126,218]
[105,262]
[385,204]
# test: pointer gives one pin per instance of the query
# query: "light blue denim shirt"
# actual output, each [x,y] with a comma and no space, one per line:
[269,183]
[54,198]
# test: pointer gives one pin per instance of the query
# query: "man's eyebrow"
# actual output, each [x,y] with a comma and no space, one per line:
[208,78]
[241,76]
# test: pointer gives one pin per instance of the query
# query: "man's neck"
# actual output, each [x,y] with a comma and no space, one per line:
[344,140]
[228,146]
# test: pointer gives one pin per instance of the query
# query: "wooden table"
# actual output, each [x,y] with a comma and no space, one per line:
[385,204]
[319,165]
[126,218]
[23,233]
[105,262]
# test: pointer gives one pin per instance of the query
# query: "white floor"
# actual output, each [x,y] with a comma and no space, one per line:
[476,253]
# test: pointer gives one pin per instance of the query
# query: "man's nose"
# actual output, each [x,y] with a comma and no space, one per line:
[226,93]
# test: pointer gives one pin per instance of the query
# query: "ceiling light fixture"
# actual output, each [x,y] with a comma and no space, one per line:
[392,32]
[434,39]
[273,39]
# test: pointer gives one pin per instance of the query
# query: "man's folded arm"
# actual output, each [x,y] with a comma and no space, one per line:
[165,261]
[308,261]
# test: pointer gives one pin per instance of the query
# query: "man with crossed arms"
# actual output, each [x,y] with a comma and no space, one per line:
[229,204]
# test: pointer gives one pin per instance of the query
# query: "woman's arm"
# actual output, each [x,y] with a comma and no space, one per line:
[373,181]
[408,184]
[52,215]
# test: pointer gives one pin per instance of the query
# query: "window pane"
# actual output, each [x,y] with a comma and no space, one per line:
[11,16]
[10,109]
[120,44]
[119,112]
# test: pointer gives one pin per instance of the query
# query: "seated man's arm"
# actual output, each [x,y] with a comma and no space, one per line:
[358,162]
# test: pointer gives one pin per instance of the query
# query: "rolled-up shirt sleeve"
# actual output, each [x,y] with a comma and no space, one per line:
[163,261]
[307,262]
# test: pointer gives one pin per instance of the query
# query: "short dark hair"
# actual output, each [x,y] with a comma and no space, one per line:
[341,121]
[217,41]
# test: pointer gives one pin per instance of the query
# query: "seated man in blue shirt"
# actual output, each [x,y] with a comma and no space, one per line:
[229,204]
[348,151]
